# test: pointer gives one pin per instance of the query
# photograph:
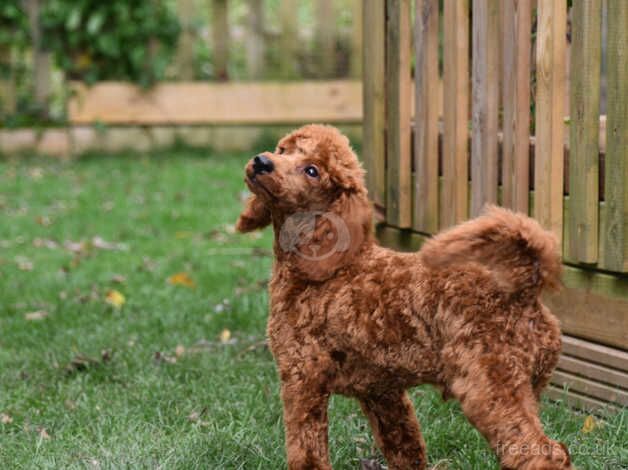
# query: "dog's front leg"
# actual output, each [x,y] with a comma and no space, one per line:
[305,419]
[396,429]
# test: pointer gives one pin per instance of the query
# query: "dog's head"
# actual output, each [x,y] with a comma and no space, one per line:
[312,189]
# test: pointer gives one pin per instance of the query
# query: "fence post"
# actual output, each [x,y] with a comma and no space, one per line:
[374,96]
[288,38]
[185,50]
[616,171]
[255,39]
[220,33]
[485,91]
[584,130]
[516,31]
[550,105]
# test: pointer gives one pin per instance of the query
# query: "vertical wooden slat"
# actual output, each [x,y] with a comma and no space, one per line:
[586,27]
[426,117]
[374,96]
[398,90]
[516,30]
[616,161]
[455,201]
[550,100]
[485,92]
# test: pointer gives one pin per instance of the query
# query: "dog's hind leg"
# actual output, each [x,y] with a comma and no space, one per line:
[506,413]
[396,429]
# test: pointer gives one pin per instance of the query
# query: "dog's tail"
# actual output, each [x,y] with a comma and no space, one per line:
[521,255]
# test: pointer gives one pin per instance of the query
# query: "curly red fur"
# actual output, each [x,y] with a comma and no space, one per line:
[348,316]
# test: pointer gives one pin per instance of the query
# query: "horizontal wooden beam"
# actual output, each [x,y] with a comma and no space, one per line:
[336,101]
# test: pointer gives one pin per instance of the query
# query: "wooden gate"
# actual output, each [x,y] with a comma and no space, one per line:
[490,101]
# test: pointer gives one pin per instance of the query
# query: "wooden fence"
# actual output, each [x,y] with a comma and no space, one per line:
[506,136]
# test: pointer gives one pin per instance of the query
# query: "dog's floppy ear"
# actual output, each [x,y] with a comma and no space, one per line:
[255,215]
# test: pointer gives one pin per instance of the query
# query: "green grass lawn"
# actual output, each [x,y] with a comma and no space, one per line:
[177,376]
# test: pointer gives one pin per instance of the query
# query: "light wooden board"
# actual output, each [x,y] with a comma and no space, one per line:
[516,21]
[374,98]
[590,388]
[398,113]
[586,55]
[616,175]
[203,103]
[454,205]
[595,372]
[595,353]
[485,91]
[577,400]
[550,101]
[426,117]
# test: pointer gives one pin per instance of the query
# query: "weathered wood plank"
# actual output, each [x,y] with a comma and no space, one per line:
[593,371]
[576,400]
[426,117]
[591,352]
[516,20]
[485,91]
[587,298]
[374,141]
[590,388]
[233,103]
[550,101]
[402,240]
[586,55]
[454,207]
[616,174]
[398,109]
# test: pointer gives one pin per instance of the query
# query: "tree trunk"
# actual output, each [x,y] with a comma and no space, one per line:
[185,51]
[356,40]
[288,39]
[41,58]
[255,39]
[220,34]
[325,40]
[7,84]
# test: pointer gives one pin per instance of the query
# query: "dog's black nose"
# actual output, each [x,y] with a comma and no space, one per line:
[262,164]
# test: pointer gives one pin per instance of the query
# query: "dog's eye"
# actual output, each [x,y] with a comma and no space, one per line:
[311,171]
[281,150]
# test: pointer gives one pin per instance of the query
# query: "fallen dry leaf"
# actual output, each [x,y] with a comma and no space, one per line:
[43,433]
[179,350]
[115,298]
[225,336]
[5,418]
[182,279]
[37,315]
[24,264]
[162,357]
[118,278]
[588,425]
